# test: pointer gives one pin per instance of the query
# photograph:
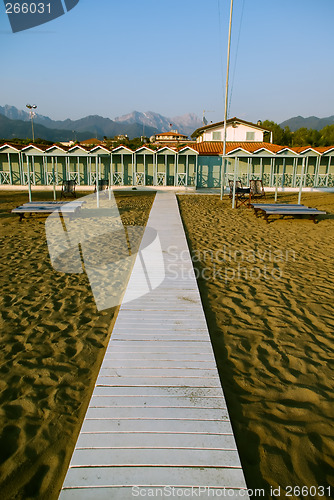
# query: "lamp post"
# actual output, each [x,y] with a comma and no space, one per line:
[32,114]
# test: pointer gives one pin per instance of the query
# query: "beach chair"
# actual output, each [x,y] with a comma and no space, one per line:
[103,184]
[256,188]
[68,189]
[242,194]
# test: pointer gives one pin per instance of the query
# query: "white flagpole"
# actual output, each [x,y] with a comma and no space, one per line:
[226,102]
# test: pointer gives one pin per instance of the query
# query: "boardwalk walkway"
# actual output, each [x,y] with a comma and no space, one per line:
[157,418]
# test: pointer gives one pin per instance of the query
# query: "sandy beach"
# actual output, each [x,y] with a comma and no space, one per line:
[267,291]
[267,294]
[52,344]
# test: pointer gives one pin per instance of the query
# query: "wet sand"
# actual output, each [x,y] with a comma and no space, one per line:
[51,346]
[267,291]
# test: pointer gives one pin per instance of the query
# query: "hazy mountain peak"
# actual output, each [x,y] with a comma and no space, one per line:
[185,124]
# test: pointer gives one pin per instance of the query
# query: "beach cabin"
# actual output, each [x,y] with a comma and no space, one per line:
[11,164]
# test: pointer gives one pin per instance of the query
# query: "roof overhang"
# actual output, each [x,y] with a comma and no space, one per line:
[122,147]
[173,151]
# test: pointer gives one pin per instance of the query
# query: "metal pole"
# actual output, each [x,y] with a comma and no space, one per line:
[226,99]
[301,182]
[234,182]
[32,128]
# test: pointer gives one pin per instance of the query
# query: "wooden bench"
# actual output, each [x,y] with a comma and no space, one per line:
[286,209]
[47,207]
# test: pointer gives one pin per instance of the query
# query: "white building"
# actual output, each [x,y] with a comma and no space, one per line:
[236,131]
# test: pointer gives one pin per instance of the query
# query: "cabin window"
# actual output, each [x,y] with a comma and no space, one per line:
[250,136]
[216,136]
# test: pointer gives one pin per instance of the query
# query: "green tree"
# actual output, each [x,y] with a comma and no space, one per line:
[327,136]
[306,137]
[281,136]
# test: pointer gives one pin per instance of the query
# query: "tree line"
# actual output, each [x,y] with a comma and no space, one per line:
[301,137]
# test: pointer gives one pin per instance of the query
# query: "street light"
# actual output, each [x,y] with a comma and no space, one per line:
[32,114]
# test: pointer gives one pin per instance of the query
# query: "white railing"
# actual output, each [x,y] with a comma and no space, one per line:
[181,179]
[5,178]
[118,179]
[161,179]
[140,179]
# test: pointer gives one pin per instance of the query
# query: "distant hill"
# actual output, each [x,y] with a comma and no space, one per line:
[9,129]
[134,124]
[312,122]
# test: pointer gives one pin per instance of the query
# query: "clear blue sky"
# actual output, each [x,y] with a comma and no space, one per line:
[111,57]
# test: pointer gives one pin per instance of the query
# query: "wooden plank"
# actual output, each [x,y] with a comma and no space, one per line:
[150,440]
[164,426]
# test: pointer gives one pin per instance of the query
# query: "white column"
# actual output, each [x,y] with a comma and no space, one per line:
[196,170]
[78,169]
[271,175]
[29,181]
[21,168]
[122,162]
[53,178]
[57,170]
[33,170]
[97,181]
[316,173]
[45,164]
[294,172]
[276,179]
[67,168]
[10,169]
[90,171]
[166,168]
[234,182]
[111,181]
[301,182]
[328,170]
[187,169]
[306,169]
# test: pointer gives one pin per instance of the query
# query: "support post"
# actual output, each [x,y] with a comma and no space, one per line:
[97,181]
[234,182]
[10,169]
[29,180]
[54,179]
[276,180]
[301,182]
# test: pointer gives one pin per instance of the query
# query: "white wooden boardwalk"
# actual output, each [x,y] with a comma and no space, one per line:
[157,418]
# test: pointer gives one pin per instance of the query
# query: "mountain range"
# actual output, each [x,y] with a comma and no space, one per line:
[312,122]
[16,123]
